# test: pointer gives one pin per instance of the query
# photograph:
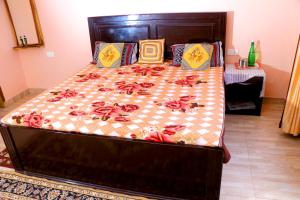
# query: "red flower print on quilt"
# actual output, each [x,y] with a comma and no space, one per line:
[55,99]
[143,92]
[121,119]
[172,129]
[98,104]
[129,107]
[33,119]
[93,76]
[68,93]
[158,68]
[77,113]
[190,81]
[146,85]
[144,71]
[176,105]
[154,135]
[90,76]
[182,104]
[187,98]
[105,89]
[107,112]
[116,111]
[191,77]
[158,137]
[131,88]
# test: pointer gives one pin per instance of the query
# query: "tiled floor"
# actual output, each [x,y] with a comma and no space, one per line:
[265,163]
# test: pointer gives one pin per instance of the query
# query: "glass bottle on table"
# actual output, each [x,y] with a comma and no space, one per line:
[251,56]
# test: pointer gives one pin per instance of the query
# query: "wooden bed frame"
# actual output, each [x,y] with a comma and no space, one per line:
[160,171]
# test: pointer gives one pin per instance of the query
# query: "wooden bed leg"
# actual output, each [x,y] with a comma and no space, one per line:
[10,146]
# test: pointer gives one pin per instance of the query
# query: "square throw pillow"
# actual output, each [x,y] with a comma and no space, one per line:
[216,58]
[196,56]
[110,55]
[151,51]
[129,54]
[177,51]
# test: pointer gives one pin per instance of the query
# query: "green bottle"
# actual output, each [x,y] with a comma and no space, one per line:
[251,55]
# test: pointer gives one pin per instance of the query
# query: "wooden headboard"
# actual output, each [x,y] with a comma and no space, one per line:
[176,28]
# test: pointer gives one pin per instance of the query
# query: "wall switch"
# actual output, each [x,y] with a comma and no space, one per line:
[232,52]
[50,54]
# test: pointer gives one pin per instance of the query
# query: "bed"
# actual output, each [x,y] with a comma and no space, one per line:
[120,130]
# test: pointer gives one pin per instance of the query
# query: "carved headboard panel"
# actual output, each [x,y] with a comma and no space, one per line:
[174,27]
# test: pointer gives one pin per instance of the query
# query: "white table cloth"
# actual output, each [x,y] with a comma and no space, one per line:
[235,75]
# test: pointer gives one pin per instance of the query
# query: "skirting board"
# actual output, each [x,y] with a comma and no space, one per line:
[273,100]
[27,92]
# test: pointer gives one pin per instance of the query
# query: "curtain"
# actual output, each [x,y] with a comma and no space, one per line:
[291,114]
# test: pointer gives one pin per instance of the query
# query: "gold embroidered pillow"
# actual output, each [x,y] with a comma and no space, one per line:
[151,51]
[197,56]
[110,55]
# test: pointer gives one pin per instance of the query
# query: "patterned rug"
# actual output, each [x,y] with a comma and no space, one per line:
[5,160]
[17,186]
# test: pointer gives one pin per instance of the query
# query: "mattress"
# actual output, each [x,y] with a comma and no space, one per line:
[157,103]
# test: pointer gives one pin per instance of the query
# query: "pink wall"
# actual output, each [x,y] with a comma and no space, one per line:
[12,79]
[275,23]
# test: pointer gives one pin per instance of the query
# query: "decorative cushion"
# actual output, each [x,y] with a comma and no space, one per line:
[151,51]
[96,51]
[129,53]
[110,55]
[177,50]
[197,56]
[217,55]
[216,58]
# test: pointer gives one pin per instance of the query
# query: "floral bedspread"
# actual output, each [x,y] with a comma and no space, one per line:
[158,103]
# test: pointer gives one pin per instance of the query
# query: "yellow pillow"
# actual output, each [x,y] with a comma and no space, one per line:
[151,51]
[197,56]
[110,55]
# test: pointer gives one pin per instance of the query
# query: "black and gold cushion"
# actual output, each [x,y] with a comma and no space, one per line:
[197,56]
[110,55]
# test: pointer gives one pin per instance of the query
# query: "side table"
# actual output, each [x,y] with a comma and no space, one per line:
[244,89]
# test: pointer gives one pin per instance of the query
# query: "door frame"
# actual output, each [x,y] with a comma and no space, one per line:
[2,99]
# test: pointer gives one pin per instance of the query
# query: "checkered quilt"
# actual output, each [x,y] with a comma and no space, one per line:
[157,103]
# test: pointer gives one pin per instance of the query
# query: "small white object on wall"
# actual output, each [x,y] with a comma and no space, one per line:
[50,54]
[232,52]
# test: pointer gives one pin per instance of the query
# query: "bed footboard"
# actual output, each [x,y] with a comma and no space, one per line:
[145,168]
